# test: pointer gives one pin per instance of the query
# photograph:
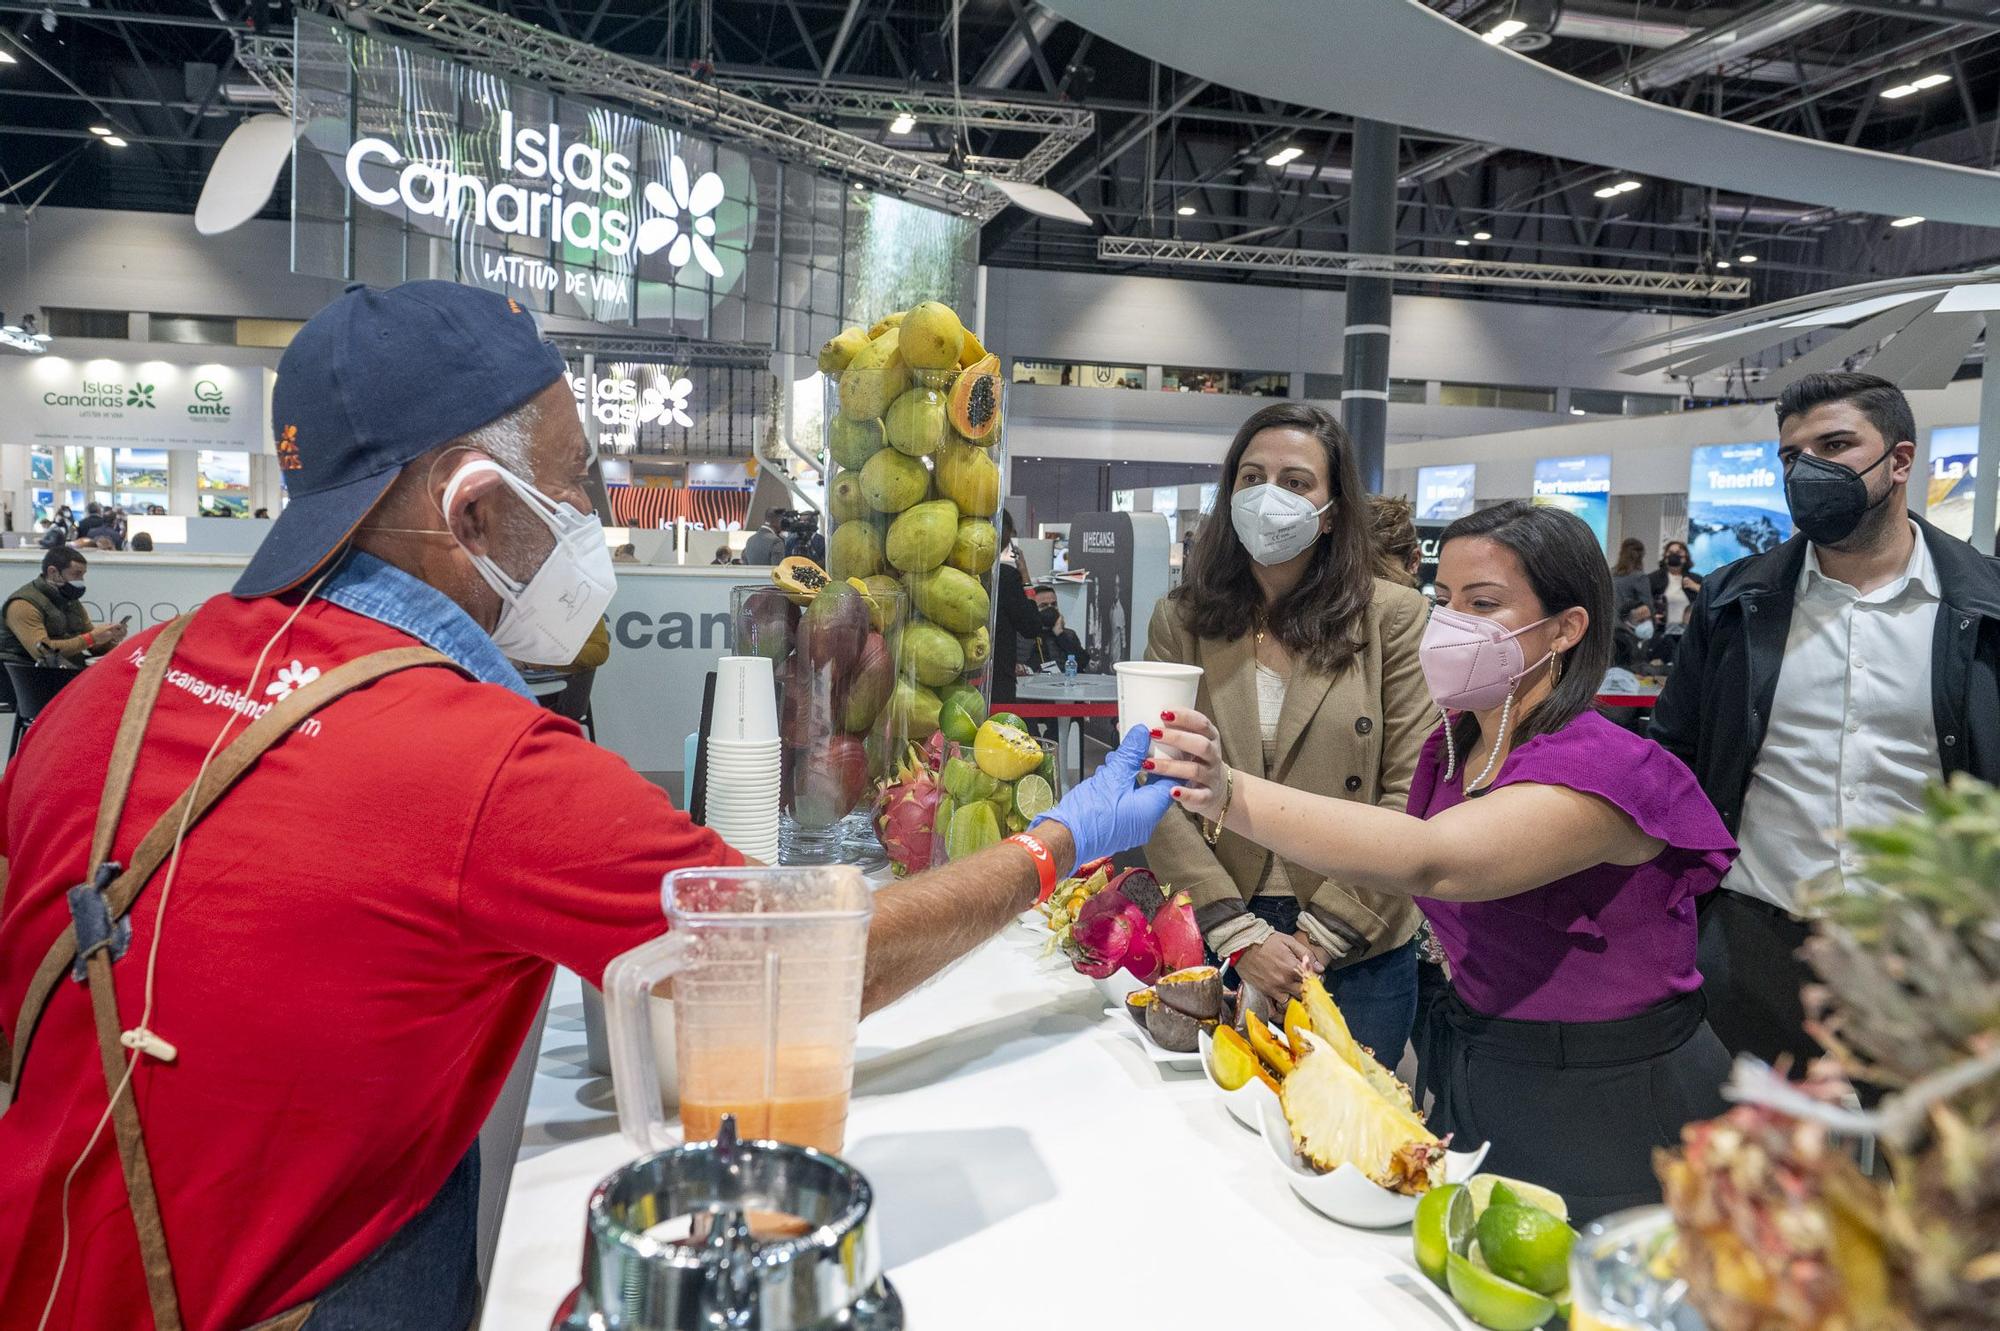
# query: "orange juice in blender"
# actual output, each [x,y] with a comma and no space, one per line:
[766,968]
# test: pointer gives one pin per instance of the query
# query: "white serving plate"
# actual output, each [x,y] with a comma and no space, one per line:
[1346,1195]
[1115,986]
[1166,1058]
[1246,1103]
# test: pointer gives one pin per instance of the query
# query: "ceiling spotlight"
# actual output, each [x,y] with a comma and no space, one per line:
[114,140]
[100,131]
[1906,221]
[1185,210]
[1722,263]
[1606,192]
[1284,157]
[1482,235]
[859,186]
[1626,186]
[903,123]
[1502,30]
[1916,85]
[1462,242]
[1746,258]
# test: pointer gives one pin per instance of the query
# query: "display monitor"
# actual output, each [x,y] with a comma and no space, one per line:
[1736,503]
[1579,485]
[1445,493]
[1954,469]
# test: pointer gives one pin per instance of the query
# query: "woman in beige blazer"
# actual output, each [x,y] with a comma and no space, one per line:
[1309,670]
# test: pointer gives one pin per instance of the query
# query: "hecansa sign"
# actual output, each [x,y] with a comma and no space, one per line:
[570,190]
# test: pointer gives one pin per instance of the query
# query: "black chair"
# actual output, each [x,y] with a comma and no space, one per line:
[573,701]
[7,709]
[34,687]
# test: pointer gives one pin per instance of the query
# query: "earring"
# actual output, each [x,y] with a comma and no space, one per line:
[1555,671]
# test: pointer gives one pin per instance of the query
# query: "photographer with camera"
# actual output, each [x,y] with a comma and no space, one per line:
[766,546]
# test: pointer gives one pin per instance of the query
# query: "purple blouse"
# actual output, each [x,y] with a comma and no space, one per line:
[1608,942]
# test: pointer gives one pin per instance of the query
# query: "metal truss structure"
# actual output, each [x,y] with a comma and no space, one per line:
[508,47]
[1414,267]
[657,350]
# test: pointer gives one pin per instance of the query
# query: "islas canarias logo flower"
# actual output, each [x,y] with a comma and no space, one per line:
[683,221]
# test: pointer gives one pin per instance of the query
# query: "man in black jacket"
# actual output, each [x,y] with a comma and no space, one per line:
[1821,686]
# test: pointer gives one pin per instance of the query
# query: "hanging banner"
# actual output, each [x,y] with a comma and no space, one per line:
[1445,493]
[1954,469]
[1736,503]
[53,401]
[1579,485]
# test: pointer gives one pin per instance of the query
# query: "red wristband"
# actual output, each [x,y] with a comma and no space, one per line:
[1045,863]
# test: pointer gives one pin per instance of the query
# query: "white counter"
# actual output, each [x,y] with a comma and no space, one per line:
[1032,1168]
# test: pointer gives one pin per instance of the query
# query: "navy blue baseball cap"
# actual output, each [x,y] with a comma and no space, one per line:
[371,383]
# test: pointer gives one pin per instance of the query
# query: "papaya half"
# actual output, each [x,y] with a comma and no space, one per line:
[975,399]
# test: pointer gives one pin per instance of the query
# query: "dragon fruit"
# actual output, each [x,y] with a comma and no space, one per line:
[905,814]
[1180,940]
[1102,942]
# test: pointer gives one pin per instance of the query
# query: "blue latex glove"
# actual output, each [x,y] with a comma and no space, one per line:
[1110,812]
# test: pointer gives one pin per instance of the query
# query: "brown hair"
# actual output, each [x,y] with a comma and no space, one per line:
[1395,530]
[1631,557]
[1318,621]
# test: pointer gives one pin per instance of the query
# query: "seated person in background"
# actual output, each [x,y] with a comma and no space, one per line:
[143,543]
[93,518]
[1634,646]
[1057,642]
[722,555]
[1398,552]
[627,553]
[48,615]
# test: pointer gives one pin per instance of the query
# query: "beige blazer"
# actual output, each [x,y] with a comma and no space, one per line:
[1355,735]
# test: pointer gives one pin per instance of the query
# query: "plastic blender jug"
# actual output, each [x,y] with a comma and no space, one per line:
[765,968]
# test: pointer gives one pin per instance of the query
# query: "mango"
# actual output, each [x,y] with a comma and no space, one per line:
[915,422]
[977,546]
[932,337]
[950,598]
[844,500]
[828,781]
[875,378]
[855,550]
[891,482]
[768,625]
[978,646]
[931,654]
[838,351]
[852,443]
[913,709]
[874,680]
[922,537]
[886,322]
[968,477]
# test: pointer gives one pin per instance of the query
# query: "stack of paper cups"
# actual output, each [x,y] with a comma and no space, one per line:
[743,755]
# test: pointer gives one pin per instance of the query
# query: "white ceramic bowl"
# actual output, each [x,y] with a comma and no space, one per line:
[1115,986]
[1166,1058]
[1346,1195]
[1246,1103]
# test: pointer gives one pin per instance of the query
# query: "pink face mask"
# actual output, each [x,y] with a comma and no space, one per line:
[1472,663]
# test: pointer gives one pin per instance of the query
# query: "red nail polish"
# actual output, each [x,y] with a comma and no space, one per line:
[1147,765]
[1166,716]
[1155,734]
[1177,792]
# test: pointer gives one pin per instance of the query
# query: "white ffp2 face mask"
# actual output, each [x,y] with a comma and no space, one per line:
[547,619]
[1273,523]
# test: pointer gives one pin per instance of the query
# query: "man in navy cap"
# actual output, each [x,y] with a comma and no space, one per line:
[313,996]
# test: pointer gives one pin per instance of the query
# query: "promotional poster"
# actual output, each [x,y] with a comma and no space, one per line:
[1954,468]
[1736,503]
[1579,485]
[1445,493]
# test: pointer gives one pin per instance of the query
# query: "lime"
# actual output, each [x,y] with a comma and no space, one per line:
[1487,1189]
[960,713]
[1033,795]
[1009,719]
[1004,752]
[1492,1301]
[1526,1245]
[1443,1226]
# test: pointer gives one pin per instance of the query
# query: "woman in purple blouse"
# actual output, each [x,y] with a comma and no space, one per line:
[1557,856]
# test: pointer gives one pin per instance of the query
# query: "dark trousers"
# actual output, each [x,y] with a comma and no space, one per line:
[426,1275]
[1377,995]
[1751,974]
[1574,1106]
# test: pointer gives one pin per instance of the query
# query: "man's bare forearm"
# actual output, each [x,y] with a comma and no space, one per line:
[924,923]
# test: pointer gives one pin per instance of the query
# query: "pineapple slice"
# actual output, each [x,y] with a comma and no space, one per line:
[1337,1117]
[1330,1026]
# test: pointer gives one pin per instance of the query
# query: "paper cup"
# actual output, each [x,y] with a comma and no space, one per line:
[1147,688]
[746,700]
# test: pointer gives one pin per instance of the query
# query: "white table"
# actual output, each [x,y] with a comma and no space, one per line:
[1068,702]
[1032,1168]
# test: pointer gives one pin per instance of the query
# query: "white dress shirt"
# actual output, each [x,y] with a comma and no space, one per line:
[1852,741]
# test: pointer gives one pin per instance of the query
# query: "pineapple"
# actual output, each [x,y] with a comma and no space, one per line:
[1330,1026]
[1337,1117]
[1780,1230]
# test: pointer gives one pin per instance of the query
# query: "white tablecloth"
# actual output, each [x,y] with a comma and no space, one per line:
[1032,1168]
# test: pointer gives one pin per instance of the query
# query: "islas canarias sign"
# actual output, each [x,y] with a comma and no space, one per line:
[552,187]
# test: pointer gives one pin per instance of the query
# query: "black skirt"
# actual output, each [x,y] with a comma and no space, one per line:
[1574,1106]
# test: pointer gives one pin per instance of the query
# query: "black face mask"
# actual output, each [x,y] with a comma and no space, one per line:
[1677,561]
[1828,500]
[1049,617]
[70,591]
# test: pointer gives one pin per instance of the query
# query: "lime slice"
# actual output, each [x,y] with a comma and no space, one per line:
[1443,1226]
[1526,1194]
[1526,1245]
[1033,796]
[1500,1305]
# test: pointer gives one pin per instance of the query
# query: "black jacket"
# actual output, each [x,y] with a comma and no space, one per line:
[1717,703]
[1017,617]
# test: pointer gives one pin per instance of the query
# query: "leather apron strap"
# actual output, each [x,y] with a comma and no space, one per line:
[113,898]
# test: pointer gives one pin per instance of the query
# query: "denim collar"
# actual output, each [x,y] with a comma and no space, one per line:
[368,586]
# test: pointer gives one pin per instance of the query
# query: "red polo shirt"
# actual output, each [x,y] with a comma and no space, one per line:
[359,936]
